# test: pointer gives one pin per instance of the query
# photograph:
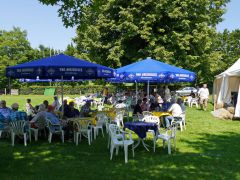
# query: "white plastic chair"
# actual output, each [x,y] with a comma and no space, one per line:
[181,121]
[83,128]
[101,120]
[54,129]
[20,128]
[146,113]
[194,101]
[119,118]
[169,135]
[152,119]
[119,140]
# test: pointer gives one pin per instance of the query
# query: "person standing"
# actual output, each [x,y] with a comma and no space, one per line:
[167,93]
[203,94]
[56,103]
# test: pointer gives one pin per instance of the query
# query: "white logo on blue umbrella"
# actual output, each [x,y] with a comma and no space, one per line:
[161,76]
[39,71]
[131,76]
[121,76]
[191,77]
[11,72]
[51,71]
[172,76]
[90,71]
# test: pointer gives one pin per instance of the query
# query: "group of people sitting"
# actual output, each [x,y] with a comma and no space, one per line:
[49,112]
[10,114]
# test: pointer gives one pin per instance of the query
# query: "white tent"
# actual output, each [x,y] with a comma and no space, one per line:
[226,83]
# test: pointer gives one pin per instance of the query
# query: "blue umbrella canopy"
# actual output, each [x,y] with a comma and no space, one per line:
[150,70]
[57,67]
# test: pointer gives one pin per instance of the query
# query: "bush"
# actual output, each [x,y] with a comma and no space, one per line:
[71,90]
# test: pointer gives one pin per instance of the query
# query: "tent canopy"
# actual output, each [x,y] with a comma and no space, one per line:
[153,71]
[57,67]
[234,70]
[225,84]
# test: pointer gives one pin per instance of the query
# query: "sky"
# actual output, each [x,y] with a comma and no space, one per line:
[231,17]
[40,21]
[45,27]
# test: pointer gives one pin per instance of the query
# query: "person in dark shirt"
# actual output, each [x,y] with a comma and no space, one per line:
[72,112]
[192,94]
[66,108]
[86,109]
[137,108]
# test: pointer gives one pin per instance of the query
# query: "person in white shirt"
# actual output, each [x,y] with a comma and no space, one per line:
[203,94]
[56,103]
[176,111]
[167,94]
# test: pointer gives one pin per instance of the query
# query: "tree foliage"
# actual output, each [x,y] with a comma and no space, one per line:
[119,32]
[15,49]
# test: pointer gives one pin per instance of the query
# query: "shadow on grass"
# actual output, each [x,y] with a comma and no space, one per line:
[218,158]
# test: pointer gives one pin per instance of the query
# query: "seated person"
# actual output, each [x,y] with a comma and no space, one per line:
[153,106]
[40,115]
[137,107]
[14,107]
[65,106]
[120,105]
[29,109]
[165,105]
[51,116]
[192,94]
[181,104]
[46,103]
[144,105]
[4,110]
[176,111]
[18,115]
[71,111]
[86,109]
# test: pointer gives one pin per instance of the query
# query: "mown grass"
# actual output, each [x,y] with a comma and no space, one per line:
[208,149]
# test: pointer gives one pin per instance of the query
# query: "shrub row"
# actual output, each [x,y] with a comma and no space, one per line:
[70,90]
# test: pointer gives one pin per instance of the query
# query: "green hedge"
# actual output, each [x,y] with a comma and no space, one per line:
[83,89]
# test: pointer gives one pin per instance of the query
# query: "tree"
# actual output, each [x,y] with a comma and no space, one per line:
[14,49]
[228,43]
[119,32]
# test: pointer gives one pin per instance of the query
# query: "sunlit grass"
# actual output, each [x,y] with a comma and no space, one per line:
[208,149]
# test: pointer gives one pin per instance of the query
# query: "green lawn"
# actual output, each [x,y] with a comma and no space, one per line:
[208,149]
[21,99]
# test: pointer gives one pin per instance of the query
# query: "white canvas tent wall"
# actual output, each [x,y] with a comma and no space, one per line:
[224,84]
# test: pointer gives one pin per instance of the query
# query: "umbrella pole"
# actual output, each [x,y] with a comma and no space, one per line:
[9,85]
[62,95]
[136,92]
[148,92]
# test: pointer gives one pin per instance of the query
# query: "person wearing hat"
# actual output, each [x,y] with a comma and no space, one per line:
[15,107]
[18,115]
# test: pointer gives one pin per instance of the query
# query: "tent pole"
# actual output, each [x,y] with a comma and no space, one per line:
[62,95]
